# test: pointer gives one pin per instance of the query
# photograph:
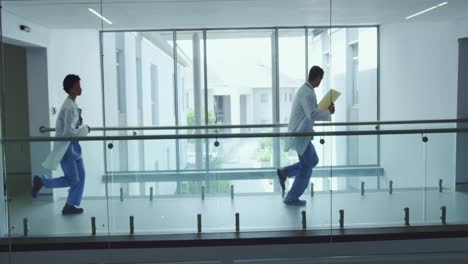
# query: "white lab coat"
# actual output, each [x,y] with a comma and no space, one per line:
[304,113]
[65,126]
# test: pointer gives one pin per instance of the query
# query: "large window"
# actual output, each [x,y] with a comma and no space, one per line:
[240,88]
[239,77]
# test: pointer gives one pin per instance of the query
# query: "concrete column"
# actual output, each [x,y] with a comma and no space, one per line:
[462,138]
[197,96]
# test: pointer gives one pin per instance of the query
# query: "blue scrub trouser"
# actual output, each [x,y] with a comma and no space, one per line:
[302,170]
[73,169]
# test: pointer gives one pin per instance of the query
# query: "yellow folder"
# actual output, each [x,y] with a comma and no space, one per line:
[331,97]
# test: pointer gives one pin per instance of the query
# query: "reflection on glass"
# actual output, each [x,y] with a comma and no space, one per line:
[240,77]
[44,214]
[191,97]
[354,74]
[292,68]
[138,83]
[252,75]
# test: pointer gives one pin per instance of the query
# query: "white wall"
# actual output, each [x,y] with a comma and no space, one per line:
[418,81]
[39,111]
[418,71]
[367,86]
[39,35]
[462,27]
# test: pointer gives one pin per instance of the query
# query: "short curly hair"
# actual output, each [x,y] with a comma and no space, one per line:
[69,81]
[315,72]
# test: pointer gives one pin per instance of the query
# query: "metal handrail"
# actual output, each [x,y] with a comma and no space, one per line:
[44,129]
[241,135]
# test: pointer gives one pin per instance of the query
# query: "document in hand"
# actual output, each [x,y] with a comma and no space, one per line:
[328,99]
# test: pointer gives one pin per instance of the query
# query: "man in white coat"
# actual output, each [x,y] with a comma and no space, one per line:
[68,154]
[304,113]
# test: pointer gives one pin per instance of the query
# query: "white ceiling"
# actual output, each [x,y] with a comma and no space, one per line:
[163,14]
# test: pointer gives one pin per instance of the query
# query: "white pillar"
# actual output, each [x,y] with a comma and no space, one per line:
[197,95]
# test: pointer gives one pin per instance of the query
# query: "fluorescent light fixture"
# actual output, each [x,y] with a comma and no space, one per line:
[427,10]
[100,16]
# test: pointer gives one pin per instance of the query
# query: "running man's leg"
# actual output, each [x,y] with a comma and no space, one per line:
[308,160]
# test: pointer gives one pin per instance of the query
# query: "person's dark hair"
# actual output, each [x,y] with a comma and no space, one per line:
[69,81]
[315,72]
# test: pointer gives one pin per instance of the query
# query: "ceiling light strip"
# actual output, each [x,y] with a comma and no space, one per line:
[100,16]
[427,10]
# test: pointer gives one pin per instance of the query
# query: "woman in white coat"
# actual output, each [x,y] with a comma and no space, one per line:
[67,154]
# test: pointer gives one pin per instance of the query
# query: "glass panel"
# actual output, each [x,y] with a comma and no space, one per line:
[292,65]
[45,42]
[79,178]
[380,207]
[138,73]
[441,188]
[318,192]
[356,163]
[404,46]
[327,185]
[139,192]
[459,196]
[441,161]
[38,58]
[252,75]
[240,76]
[139,86]
[336,50]
[240,92]
[354,75]
[408,49]
[238,153]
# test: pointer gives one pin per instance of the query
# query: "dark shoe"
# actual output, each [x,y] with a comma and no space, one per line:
[71,210]
[295,202]
[37,186]
[282,180]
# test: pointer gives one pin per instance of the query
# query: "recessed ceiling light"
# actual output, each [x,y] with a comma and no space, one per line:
[100,16]
[427,10]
